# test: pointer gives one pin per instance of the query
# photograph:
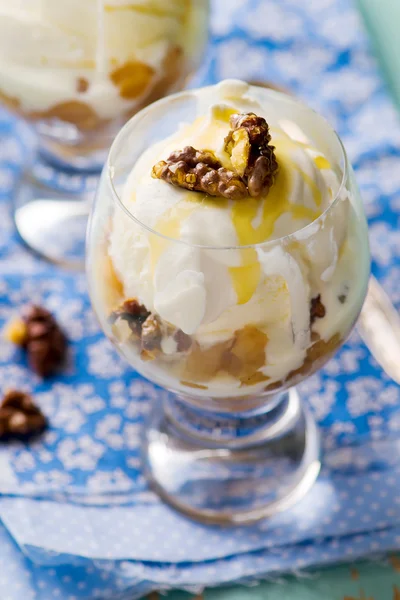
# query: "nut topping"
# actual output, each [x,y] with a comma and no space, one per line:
[19,416]
[253,163]
[133,313]
[252,156]
[40,335]
[317,309]
[200,171]
[149,329]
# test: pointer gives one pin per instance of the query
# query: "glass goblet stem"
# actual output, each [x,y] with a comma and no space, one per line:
[232,467]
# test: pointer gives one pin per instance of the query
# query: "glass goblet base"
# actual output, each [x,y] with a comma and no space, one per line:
[231,468]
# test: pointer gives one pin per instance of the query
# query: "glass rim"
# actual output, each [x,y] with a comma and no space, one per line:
[279,240]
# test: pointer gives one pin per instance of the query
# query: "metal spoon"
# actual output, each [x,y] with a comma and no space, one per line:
[38,223]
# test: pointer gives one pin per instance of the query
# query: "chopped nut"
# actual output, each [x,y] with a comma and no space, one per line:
[199,171]
[146,355]
[19,416]
[15,332]
[151,333]
[147,328]
[121,331]
[40,335]
[240,150]
[252,156]
[317,310]
[82,85]
[133,313]
[183,341]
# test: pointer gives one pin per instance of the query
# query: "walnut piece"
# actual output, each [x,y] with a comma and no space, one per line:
[253,162]
[39,334]
[45,343]
[133,313]
[252,156]
[183,341]
[149,329]
[200,171]
[151,337]
[19,416]
[317,309]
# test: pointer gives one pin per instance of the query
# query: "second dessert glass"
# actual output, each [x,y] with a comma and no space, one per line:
[231,441]
[77,71]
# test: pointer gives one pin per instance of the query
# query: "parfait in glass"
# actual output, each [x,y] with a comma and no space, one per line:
[228,260]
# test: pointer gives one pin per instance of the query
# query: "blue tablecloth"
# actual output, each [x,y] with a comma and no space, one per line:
[76,502]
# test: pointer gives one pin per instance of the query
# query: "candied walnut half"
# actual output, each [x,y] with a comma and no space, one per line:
[200,171]
[40,335]
[45,343]
[252,155]
[19,416]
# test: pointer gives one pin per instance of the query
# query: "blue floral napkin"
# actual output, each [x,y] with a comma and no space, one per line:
[76,503]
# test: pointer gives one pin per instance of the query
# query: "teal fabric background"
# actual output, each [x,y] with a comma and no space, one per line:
[366,581]
[382,18]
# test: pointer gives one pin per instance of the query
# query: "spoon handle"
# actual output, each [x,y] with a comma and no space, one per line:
[379,327]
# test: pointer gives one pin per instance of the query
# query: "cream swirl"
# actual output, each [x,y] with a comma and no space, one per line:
[211,291]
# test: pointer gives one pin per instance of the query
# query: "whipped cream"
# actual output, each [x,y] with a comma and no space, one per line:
[197,271]
[46,45]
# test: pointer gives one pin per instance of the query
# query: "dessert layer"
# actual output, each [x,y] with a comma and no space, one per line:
[108,55]
[263,286]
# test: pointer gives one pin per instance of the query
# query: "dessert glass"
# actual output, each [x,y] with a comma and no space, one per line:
[231,441]
[77,71]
